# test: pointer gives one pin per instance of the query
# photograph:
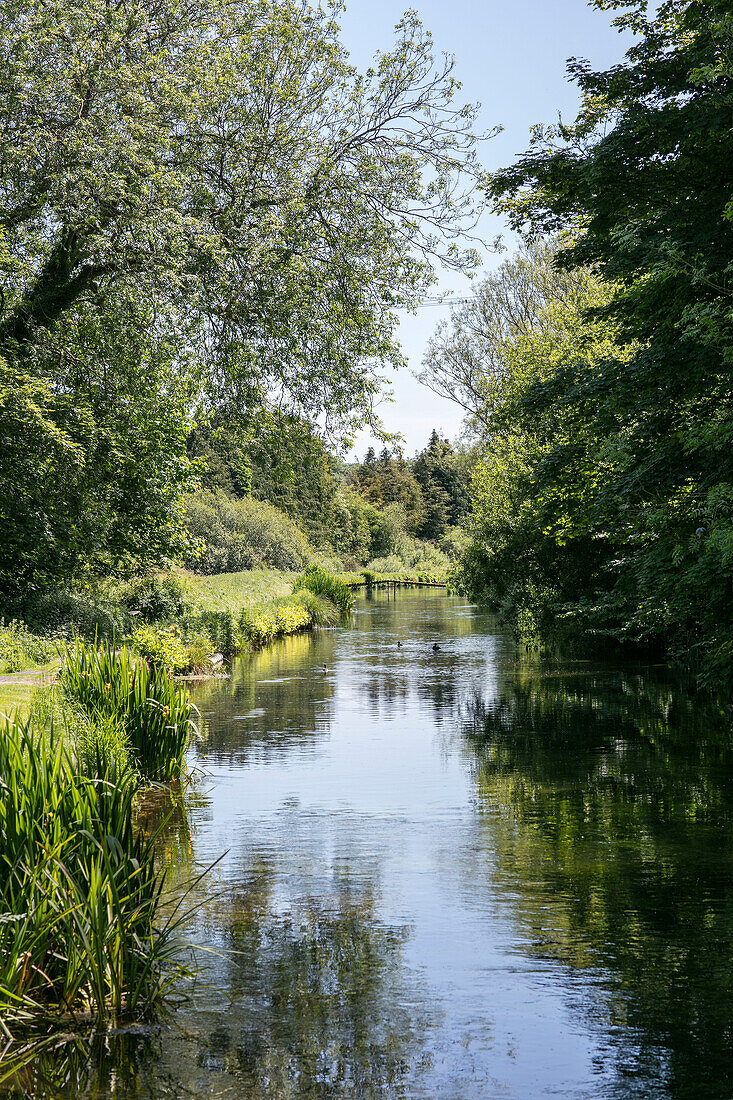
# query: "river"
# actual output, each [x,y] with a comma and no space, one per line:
[455,873]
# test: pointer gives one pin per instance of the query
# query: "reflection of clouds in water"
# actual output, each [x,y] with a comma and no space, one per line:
[306,993]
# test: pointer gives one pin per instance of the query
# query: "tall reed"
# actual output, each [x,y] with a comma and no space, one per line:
[322,583]
[82,927]
[155,711]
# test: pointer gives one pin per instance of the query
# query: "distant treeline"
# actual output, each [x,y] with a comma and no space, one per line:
[275,495]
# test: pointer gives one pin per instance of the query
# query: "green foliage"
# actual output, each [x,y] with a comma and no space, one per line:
[319,581]
[200,648]
[98,742]
[156,597]
[162,646]
[322,611]
[83,927]
[273,457]
[637,488]
[153,264]
[233,535]
[20,649]
[91,462]
[220,627]
[88,610]
[429,494]
[444,489]
[258,626]
[155,712]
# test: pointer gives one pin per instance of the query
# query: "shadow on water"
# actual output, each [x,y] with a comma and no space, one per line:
[609,804]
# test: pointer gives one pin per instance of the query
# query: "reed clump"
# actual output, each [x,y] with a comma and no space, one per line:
[84,932]
[318,580]
[153,710]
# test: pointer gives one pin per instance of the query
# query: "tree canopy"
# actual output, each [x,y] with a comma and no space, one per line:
[203,206]
[622,426]
[224,161]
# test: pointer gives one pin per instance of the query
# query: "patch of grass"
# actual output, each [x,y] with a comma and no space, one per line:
[16,700]
[233,591]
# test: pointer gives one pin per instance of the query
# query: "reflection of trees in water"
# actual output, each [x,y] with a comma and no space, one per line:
[609,801]
[64,1065]
[313,1001]
[279,713]
[321,1005]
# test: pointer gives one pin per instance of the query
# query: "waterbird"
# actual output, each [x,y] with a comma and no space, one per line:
[325,668]
[399,645]
[436,647]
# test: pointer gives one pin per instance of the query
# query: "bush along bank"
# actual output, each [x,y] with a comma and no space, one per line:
[163,622]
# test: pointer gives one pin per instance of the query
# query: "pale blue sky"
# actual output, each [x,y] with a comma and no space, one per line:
[511,58]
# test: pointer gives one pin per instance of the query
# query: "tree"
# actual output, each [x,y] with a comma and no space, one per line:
[204,200]
[444,489]
[92,464]
[223,161]
[465,358]
[643,182]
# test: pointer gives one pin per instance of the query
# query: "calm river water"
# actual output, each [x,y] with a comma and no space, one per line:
[449,874]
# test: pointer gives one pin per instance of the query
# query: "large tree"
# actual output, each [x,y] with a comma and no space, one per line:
[210,188]
[224,158]
[643,179]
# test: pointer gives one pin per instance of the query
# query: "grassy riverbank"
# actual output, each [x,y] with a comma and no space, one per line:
[179,619]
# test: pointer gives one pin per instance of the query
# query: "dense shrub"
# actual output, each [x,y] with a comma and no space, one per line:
[154,598]
[258,626]
[90,612]
[162,646]
[232,535]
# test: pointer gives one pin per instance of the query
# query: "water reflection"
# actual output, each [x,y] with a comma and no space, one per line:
[320,1003]
[281,689]
[609,804]
[449,873]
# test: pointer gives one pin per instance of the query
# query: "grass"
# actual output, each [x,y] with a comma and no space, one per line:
[16,699]
[233,591]
[83,934]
